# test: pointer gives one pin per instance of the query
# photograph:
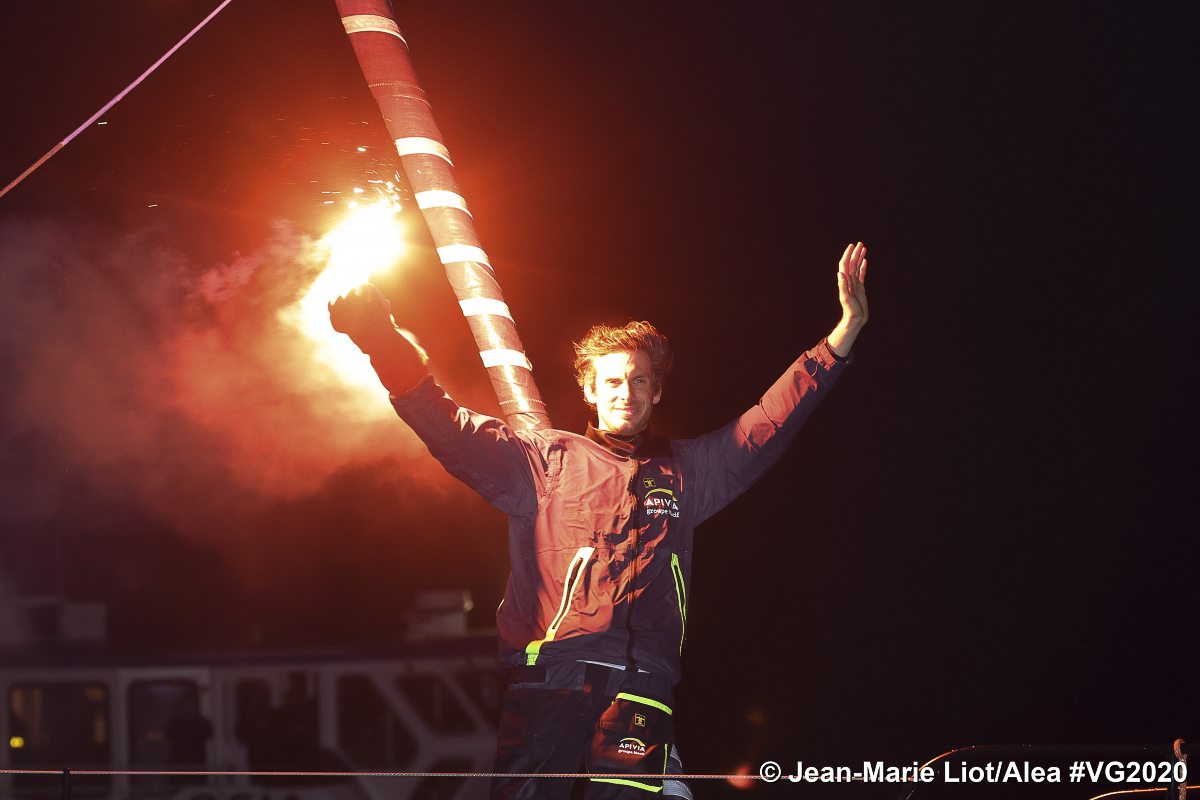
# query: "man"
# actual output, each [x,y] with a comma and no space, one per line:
[600,536]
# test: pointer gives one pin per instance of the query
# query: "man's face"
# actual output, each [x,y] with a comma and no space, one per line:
[623,392]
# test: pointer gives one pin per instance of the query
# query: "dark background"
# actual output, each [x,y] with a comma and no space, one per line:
[986,535]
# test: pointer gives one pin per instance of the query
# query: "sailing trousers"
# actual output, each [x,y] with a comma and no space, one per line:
[578,717]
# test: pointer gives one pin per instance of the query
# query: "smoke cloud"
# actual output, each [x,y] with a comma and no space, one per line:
[188,396]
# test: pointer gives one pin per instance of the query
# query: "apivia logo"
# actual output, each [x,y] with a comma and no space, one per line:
[632,747]
[661,501]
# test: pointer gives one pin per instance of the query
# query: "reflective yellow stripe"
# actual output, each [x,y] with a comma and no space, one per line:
[645,701]
[574,576]
[680,596]
[570,584]
[628,783]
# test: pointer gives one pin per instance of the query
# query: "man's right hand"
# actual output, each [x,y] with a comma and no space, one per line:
[364,315]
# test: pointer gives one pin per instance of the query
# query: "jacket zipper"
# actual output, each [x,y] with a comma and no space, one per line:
[635,520]
[570,585]
[680,597]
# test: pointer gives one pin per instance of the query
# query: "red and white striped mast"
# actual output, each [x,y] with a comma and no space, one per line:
[383,55]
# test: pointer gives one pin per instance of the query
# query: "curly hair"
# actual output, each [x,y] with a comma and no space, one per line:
[602,340]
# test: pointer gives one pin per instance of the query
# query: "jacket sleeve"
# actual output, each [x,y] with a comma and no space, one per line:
[481,451]
[726,462]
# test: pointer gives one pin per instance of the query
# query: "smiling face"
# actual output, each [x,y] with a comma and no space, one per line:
[623,392]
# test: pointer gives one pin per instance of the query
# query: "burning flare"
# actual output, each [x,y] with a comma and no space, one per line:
[368,240]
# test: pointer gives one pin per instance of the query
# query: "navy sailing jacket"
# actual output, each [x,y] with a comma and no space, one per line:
[601,543]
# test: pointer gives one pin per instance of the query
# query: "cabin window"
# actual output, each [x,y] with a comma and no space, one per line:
[369,732]
[284,736]
[252,713]
[56,726]
[167,732]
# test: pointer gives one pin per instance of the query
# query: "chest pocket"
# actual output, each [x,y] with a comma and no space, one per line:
[553,467]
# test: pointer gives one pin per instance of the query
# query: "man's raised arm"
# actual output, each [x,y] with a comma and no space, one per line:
[481,451]
[728,461]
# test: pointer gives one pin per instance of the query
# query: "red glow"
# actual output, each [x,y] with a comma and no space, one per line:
[744,768]
[291,399]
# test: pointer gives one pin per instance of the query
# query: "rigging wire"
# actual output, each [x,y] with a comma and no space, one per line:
[114,101]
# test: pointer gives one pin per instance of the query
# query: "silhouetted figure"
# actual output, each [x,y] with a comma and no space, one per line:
[295,727]
[188,733]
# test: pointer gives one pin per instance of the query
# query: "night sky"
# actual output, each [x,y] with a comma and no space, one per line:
[986,534]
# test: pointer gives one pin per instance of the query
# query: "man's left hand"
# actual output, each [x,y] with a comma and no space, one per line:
[852,294]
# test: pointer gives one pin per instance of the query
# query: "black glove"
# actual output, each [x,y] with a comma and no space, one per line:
[364,315]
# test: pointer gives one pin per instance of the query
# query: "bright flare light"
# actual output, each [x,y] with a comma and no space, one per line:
[369,239]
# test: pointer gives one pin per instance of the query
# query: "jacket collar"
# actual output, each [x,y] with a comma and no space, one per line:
[640,445]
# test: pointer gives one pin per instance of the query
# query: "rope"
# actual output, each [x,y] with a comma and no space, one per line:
[114,101]
[1139,791]
[385,774]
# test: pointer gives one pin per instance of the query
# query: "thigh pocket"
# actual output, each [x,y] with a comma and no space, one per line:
[633,737]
